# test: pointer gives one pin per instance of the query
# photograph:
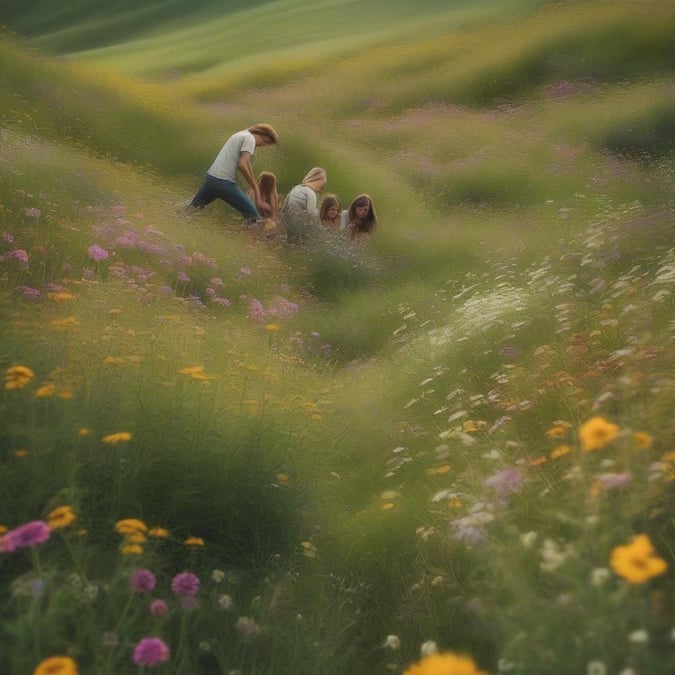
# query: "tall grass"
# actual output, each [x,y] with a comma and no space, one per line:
[457,437]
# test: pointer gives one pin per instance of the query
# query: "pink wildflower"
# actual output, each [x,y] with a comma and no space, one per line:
[25,536]
[256,311]
[143,581]
[185,583]
[18,254]
[28,292]
[150,651]
[505,482]
[97,253]
[158,608]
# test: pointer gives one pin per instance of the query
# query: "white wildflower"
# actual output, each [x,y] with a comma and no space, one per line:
[596,668]
[428,647]
[392,642]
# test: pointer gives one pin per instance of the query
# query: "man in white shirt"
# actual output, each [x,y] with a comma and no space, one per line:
[235,155]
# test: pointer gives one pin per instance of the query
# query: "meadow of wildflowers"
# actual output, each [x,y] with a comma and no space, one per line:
[447,453]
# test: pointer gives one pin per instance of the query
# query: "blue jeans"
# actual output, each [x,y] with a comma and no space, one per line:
[216,188]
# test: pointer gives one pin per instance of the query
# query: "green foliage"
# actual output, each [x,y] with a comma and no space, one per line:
[648,136]
[371,441]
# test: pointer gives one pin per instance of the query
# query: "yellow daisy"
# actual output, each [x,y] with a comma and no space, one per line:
[445,663]
[597,433]
[638,561]
[17,377]
[57,665]
[60,517]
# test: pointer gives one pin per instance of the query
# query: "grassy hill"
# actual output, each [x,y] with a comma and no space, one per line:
[461,433]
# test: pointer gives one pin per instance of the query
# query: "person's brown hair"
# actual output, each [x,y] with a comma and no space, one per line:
[369,225]
[267,184]
[265,130]
[329,201]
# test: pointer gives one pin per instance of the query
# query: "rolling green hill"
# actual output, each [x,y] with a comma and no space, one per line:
[163,38]
[458,436]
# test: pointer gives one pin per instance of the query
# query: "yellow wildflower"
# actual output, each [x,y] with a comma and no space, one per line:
[194,541]
[3,529]
[60,296]
[388,506]
[131,549]
[559,429]
[60,517]
[17,377]
[114,360]
[273,327]
[560,451]
[46,390]
[597,433]
[638,561]
[642,440]
[191,370]
[283,478]
[83,432]
[21,452]
[65,394]
[158,532]
[68,322]
[130,526]
[56,665]
[538,460]
[114,439]
[445,663]
[135,538]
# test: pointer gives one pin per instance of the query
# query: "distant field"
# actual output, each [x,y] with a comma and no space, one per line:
[177,38]
[222,454]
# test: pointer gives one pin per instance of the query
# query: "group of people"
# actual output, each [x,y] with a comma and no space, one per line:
[300,213]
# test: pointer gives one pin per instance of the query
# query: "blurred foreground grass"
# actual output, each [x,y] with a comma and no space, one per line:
[450,437]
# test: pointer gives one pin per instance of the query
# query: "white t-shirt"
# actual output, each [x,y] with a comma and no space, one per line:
[344,220]
[226,163]
[302,198]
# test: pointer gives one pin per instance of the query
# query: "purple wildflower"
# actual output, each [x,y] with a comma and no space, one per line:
[256,311]
[613,481]
[7,237]
[471,528]
[28,292]
[185,583]
[158,609]
[143,580]
[222,301]
[183,278]
[97,253]
[505,482]
[18,254]
[25,536]
[150,651]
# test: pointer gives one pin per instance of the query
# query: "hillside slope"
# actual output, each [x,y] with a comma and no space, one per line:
[165,37]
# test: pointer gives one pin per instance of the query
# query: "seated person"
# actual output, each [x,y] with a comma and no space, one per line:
[329,214]
[360,220]
[299,212]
